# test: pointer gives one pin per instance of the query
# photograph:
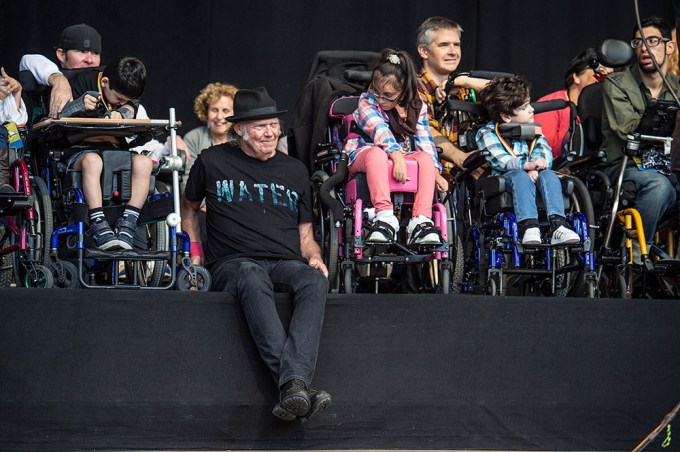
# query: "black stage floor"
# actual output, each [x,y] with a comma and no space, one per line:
[109,369]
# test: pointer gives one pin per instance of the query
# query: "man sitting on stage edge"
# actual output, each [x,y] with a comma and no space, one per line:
[260,238]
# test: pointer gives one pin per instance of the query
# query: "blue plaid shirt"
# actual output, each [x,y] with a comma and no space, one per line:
[374,122]
[501,160]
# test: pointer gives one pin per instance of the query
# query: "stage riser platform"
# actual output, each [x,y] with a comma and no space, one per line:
[100,369]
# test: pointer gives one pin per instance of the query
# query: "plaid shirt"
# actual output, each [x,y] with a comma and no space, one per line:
[503,160]
[374,122]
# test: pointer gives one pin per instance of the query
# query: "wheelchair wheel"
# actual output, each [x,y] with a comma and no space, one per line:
[38,276]
[6,267]
[564,282]
[445,281]
[44,217]
[348,280]
[203,280]
[493,285]
[67,278]
[152,237]
[327,232]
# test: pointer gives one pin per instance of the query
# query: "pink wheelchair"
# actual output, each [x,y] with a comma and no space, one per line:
[345,216]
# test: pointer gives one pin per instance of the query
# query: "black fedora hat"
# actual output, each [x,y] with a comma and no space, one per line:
[251,104]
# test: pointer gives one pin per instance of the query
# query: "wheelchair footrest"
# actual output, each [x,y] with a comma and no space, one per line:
[127,255]
[667,267]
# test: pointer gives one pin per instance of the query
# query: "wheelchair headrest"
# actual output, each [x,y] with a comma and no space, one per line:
[343,106]
[29,84]
[358,76]
[615,53]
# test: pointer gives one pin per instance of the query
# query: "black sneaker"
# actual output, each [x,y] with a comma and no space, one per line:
[103,236]
[125,230]
[320,399]
[294,397]
[281,413]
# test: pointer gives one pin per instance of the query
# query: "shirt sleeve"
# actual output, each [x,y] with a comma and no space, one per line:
[542,149]
[10,112]
[499,159]
[618,107]
[423,138]
[39,66]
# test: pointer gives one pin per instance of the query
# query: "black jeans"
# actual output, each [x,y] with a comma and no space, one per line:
[288,355]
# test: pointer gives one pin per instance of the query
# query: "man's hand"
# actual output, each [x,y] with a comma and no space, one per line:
[399,172]
[61,94]
[197,260]
[442,184]
[317,262]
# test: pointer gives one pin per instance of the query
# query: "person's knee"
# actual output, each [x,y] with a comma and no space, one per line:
[142,165]
[91,162]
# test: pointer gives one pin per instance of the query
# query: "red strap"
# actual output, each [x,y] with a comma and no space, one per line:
[196,249]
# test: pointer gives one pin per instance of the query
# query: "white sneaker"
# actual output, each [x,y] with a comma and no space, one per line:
[564,236]
[532,236]
[427,234]
[384,228]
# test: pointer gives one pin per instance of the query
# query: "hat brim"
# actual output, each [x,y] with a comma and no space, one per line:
[242,118]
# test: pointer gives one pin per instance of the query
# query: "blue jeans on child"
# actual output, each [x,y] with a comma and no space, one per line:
[290,355]
[523,192]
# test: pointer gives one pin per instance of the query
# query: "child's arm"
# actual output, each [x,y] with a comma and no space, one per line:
[542,154]
[423,138]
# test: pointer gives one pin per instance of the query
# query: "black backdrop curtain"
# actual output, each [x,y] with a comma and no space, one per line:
[249,43]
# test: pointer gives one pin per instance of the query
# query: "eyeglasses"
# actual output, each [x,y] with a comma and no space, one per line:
[385,98]
[652,41]
[262,127]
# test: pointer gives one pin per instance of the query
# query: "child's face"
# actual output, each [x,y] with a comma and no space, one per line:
[524,114]
[112,96]
[386,92]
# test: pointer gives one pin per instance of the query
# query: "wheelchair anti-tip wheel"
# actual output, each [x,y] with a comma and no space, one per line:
[200,280]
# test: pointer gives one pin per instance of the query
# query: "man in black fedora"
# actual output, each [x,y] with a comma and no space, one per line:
[260,239]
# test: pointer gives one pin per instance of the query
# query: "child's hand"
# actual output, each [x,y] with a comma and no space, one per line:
[541,164]
[399,171]
[89,102]
[442,184]
[533,174]
[116,115]
[529,166]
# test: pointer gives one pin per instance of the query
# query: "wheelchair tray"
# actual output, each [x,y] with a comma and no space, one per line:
[78,129]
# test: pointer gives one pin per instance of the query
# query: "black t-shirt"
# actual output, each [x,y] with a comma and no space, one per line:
[253,207]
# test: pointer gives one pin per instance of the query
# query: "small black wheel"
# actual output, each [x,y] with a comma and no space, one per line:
[445,280]
[203,280]
[493,285]
[68,277]
[348,278]
[38,276]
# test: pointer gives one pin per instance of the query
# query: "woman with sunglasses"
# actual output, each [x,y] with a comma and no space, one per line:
[394,122]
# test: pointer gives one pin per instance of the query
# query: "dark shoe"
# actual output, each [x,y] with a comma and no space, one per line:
[103,236]
[125,230]
[320,399]
[286,415]
[294,397]
[6,188]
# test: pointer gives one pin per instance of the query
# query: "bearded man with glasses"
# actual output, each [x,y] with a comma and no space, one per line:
[627,95]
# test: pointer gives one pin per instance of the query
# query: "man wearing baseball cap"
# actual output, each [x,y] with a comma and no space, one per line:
[79,46]
[260,239]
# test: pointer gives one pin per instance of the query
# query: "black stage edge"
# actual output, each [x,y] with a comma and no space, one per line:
[105,369]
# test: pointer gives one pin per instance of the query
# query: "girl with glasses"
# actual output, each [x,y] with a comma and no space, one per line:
[394,122]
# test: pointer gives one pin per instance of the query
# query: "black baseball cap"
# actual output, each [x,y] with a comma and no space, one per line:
[80,37]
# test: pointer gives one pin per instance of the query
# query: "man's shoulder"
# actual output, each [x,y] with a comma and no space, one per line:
[620,77]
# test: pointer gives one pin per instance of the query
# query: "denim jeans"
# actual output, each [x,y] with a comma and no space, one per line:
[253,281]
[655,193]
[523,192]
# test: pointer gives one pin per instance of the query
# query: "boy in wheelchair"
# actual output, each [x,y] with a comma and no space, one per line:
[393,121]
[113,94]
[525,164]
